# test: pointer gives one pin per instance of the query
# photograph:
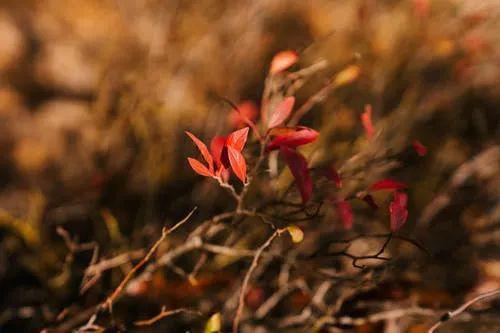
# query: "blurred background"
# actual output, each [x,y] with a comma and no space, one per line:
[95,96]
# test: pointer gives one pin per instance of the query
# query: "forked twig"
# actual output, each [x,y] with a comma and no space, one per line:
[163,314]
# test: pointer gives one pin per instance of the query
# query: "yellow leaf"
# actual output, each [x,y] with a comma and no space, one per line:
[296,234]
[346,76]
[213,324]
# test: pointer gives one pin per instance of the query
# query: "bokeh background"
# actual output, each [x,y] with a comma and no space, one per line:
[95,96]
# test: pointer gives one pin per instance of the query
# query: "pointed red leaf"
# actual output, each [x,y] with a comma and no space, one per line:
[419,148]
[238,163]
[203,150]
[366,120]
[199,168]
[387,184]
[298,166]
[300,136]
[398,210]
[237,139]
[344,211]
[216,149]
[332,174]
[247,110]
[282,112]
[282,61]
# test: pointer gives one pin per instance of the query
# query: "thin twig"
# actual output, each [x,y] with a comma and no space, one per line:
[381,316]
[163,314]
[108,303]
[451,314]
[246,280]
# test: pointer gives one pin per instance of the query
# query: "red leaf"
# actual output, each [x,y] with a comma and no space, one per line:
[248,121]
[199,168]
[237,139]
[281,112]
[366,120]
[203,150]
[300,136]
[223,173]
[387,184]
[238,163]
[332,174]
[282,61]
[398,210]
[344,211]
[217,148]
[419,148]
[298,166]
[247,110]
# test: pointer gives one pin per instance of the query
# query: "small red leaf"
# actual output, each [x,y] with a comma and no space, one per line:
[300,136]
[281,112]
[398,210]
[332,174]
[199,168]
[238,163]
[419,148]
[387,184]
[344,211]
[366,120]
[282,61]
[247,112]
[216,149]
[237,139]
[298,166]
[203,150]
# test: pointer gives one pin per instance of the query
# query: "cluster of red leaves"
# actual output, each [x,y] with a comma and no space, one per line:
[225,153]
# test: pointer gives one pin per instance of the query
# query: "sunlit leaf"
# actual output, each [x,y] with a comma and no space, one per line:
[199,168]
[237,139]
[296,233]
[216,149]
[238,164]
[300,171]
[203,150]
[281,112]
[213,324]
[282,61]
[300,136]
[347,76]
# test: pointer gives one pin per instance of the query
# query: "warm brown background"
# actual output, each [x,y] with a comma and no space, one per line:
[95,96]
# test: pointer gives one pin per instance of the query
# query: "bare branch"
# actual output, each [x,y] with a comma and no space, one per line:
[246,280]
[451,314]
[108,303]
[163,314]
